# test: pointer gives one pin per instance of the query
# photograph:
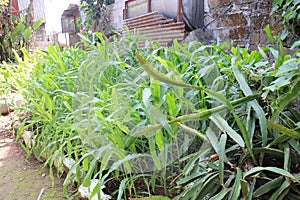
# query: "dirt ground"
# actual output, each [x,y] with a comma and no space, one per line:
[22,179]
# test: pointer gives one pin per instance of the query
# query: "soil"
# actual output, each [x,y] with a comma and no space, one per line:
[21,178]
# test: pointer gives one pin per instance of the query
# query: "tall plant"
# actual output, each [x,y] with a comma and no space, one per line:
[15,32]
[289,11]
[97,16]
[131,119]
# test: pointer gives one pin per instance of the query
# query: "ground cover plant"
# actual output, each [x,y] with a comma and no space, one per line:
[191,121]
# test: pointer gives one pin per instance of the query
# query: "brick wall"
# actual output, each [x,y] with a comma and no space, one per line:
[243,21]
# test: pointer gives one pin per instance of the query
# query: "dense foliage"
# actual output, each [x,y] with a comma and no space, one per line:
[15,32]
[96,15]
[290,15]
[190,121]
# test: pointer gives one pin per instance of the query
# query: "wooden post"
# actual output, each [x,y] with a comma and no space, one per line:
[149,9]
[179,9]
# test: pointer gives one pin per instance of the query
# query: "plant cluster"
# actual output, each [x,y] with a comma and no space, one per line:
[15,32]
[290,13]
[97,16]
[191,121]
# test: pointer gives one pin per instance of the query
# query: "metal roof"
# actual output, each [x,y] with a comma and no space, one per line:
[38,7]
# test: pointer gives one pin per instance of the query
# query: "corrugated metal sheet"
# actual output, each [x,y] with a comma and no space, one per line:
[192,9]
[38,7]
[157,27]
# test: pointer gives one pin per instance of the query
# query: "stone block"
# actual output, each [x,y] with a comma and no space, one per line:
[218,3]
[254,37]
[238,33]
[259,22]
[232,20]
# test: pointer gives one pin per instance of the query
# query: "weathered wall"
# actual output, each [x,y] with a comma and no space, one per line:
[116,14]
[243,21]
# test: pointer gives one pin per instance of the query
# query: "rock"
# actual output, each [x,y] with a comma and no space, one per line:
[4,108]
[28,138]
[68,163]
[85,192]
[199,35]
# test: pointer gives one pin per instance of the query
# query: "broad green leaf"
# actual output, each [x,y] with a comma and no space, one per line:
[160,118]
[159,138]
[285,130]
[156,89]
[221,194]
[37,24]
[265,188]
[275,170]
[223,126]
[236,190]
[222,157]
[295,144]
[159,76]
[287,161]
[171,104]
[286,100]
[212,137]
[85,164]
[280,190]
[280,139]
[27,34]
[258,109]
[146,98]
[269,34]
[207,187]
[245,188]
[122,188]
[296,45]
[17,32]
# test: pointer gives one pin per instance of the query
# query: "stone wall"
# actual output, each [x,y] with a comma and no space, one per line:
[243,21]
[116,14]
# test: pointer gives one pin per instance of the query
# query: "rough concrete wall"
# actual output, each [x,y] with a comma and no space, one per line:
[243,21]
[40,33]
[116,14]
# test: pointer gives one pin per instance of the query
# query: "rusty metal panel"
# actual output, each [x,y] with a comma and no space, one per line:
[157,27]
[193,10]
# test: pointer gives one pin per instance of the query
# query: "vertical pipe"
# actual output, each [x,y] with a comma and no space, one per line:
[179,9]
[149,9]
[125,11]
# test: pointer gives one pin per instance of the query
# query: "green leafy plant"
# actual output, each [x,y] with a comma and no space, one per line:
[289,11]
[191,121]
[15,33]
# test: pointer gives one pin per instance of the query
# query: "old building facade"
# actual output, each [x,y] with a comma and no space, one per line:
[242,21]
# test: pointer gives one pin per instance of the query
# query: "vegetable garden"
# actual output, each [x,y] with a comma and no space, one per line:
[191,121]
[188,121]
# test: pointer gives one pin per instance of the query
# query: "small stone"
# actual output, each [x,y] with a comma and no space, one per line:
[4,108]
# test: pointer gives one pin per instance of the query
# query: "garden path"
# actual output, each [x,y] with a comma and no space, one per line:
[21,178]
